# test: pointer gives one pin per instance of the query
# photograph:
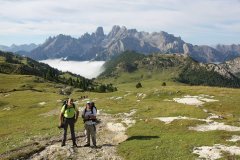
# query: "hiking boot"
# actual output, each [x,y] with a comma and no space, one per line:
[86,145]
[75,145]
[94,146]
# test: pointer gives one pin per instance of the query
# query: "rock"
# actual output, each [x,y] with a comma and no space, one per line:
[66,91]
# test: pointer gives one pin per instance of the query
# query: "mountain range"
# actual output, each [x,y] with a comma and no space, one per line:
[24,48]
[101,46]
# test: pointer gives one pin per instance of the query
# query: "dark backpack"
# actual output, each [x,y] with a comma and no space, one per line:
[85,110]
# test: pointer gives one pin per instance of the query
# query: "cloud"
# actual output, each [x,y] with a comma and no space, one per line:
[185,18]
[86,68]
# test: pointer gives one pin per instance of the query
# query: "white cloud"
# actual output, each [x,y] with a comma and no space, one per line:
[186,18]
[88,69]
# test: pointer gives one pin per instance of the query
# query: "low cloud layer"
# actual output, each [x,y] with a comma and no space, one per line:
[198,22]
[88,69]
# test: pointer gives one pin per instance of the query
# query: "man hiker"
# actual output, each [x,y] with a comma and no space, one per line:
[89,119]
[68,117]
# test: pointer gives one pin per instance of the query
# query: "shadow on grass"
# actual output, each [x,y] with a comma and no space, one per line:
[142,138]
[108,145]
[2,104]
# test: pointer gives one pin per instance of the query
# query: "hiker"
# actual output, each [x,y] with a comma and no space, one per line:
[89,119]
[68,116]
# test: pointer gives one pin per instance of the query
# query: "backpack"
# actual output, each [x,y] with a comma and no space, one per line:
[94,120]
[91,110]
[64,102]
[65,106]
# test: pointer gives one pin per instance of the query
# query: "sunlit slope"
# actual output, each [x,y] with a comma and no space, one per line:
[132,66]
[150,138]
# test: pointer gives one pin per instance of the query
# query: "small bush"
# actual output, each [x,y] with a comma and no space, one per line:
[164,84]
[138,85]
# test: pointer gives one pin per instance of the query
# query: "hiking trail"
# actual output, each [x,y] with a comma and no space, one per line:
[110,132]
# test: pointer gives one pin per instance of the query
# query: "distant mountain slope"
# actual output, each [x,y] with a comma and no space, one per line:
[230,51]
[100,46]
[15,64]
[25,48]
[188,70]
[126,62]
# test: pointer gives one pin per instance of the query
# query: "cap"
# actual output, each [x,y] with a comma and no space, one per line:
[88,101]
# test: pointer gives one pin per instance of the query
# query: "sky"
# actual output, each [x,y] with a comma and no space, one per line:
[87,69]
[198,22]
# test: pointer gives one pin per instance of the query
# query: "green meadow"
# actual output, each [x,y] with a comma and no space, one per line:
[25,119]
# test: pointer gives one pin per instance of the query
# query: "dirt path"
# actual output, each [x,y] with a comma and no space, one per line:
[110,132]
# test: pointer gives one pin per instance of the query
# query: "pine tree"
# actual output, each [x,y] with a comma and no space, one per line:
[70,81]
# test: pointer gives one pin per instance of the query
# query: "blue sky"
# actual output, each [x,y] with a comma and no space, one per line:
[199,22]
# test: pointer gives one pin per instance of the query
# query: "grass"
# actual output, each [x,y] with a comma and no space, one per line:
[152,139]
[24,123]
[2,59]
[148,138]
[169,141]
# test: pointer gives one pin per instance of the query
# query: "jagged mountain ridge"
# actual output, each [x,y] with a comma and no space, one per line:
[101,46]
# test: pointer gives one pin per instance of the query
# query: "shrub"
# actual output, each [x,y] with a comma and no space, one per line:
[164,84]
[138,85]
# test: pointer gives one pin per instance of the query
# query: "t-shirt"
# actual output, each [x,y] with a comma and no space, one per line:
[69,111]
[89,113]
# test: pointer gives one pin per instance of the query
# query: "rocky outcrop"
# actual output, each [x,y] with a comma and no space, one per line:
[233,66]
[220,69]
[229,69]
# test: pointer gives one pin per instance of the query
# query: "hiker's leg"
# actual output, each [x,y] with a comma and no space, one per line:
[64,132]
[71,124]
[93,134]
[88,133]
[85,134]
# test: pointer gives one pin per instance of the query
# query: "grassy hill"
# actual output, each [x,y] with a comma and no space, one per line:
[15,64]
[172,67]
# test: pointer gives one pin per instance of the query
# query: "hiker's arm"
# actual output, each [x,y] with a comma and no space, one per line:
[77,114]
[83,113]
[60,118]
[93,116]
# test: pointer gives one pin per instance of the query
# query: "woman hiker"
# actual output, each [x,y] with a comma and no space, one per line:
[68,117]
[89,118]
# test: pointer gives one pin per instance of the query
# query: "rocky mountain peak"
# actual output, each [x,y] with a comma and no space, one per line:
[63,37]
[99,32]
[114,31]
[115,28]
